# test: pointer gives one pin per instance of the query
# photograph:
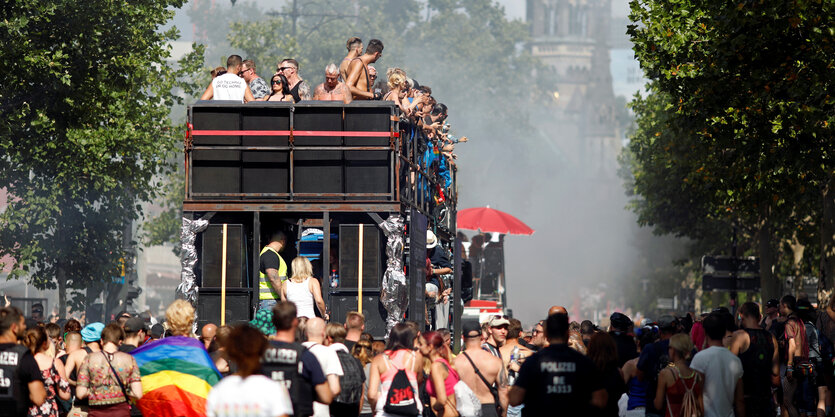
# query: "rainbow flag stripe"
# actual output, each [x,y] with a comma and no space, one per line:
[177,375]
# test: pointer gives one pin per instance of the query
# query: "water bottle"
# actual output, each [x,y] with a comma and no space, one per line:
[334,279]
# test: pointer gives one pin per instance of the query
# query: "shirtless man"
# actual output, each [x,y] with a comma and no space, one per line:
[490,367]
[358,78]
[354,46]
[332,88]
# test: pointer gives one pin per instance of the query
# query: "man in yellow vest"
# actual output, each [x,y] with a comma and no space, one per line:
[272,272]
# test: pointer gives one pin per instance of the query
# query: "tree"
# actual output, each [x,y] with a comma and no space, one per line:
[738,121]
[85,133]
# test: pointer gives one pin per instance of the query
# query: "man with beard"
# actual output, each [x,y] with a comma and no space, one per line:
[21,383]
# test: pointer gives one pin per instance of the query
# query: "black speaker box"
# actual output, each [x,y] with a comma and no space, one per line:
[266,171]
[349,257]
[212,255]
[216,171]
[238,308]
[417,264]
[372,309]
[367,171]
[318,171]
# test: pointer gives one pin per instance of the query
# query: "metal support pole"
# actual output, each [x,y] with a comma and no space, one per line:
[734,272]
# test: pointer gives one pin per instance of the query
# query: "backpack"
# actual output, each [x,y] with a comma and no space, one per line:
[690,406]
[352,379]
[401,399]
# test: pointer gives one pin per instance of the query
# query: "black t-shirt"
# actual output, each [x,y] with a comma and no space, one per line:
[558,378]
[627,349]
[269,259]
[17,369]
[349,344]
[438,257]
[126,348]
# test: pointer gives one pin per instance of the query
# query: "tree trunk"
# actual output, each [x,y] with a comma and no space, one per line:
[61,277]
[827,232]
[770,286]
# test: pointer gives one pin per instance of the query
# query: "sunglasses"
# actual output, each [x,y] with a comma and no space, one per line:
[498,316]
[274,82]
[279,69]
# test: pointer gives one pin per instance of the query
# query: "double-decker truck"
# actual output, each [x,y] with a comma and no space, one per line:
[349,186]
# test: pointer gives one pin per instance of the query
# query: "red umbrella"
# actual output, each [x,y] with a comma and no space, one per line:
[491,220]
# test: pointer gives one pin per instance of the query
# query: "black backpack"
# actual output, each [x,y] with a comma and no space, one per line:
[352,379]
[401,399]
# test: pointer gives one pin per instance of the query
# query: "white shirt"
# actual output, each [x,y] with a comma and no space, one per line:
[329,362]
[229,87]
[722,370]
[255,396]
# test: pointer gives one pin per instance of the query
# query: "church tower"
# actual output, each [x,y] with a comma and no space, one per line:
[572,37]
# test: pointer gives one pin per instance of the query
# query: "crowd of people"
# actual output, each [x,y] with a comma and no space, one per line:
[355,78]
[284,363]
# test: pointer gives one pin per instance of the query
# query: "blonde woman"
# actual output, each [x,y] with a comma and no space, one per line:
[676,380]
[179,316]
[302,289]
[398,88]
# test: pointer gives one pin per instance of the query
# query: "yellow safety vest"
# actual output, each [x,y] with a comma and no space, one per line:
[265,287]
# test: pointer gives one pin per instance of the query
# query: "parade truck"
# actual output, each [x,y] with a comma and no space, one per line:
[348,186]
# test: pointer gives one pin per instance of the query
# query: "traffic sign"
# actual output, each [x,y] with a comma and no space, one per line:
[720,272]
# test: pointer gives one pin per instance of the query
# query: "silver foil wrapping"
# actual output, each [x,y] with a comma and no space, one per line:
[187,289]
[395,292]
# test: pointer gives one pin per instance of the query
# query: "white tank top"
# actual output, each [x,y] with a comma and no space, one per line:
[299,293]
[229,87]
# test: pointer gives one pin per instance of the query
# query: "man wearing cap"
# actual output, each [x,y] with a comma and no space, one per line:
[558,380]
[654,358]
[490,367]
[441,270]
[620,328]
[134,334]
[272,271]
[498,326]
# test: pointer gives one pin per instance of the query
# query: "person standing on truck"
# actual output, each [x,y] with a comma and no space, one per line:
[358,77]
[354,46]
[299,88]
[229,86]
[272,271]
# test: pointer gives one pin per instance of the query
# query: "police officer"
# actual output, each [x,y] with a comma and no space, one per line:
[21,384]
[272,272]
[558,378]
[291,364]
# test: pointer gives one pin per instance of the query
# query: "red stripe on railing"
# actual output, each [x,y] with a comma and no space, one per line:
[327,133]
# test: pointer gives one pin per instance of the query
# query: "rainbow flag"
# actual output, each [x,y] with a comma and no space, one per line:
[177,375]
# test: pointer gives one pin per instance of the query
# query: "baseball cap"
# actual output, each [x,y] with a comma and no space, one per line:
[772,303]
[498,320]
[620,321]
[471,329]
[667,322]
[134,324]
[92,332]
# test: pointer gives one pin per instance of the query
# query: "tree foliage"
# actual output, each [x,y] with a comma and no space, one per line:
[738,121]
[85,131]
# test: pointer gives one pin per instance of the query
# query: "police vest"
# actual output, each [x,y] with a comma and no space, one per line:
[265,287]
[283,364]
[11,387]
